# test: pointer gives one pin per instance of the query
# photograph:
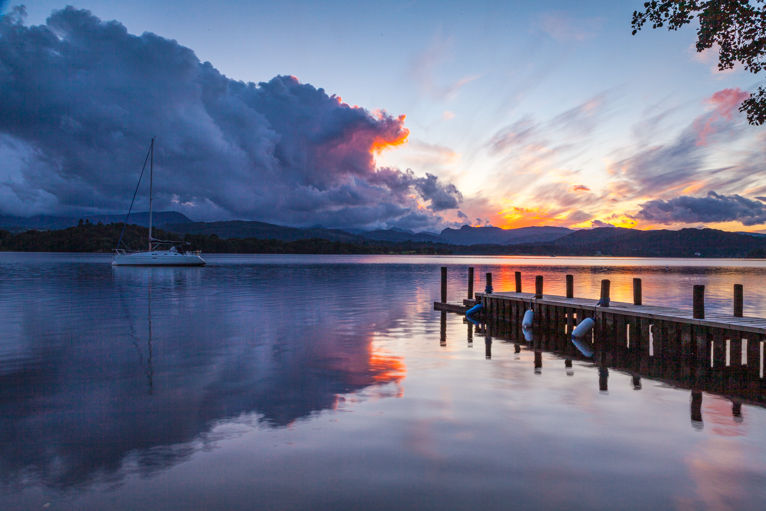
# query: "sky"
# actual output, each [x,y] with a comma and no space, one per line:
[412,114]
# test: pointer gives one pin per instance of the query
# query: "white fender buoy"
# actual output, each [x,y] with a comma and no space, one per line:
[528,319]
[583,328]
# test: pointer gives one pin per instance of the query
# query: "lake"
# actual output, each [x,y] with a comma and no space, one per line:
[329,382]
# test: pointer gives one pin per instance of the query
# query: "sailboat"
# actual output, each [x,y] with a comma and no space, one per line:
[154,256]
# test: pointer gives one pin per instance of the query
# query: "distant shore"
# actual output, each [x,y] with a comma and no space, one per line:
[686,243]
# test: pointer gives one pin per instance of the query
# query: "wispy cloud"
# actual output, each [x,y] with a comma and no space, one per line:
[565,28]
[425,67]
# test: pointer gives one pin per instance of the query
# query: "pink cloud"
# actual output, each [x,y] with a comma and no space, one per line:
[725,103]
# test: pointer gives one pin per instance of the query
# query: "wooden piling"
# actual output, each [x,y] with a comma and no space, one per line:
[518,282]
[470,283]
[738,300]
[539,286]
[443,330]
[698,302]
[570,286]
[444,284]
[605,284]
[637,293]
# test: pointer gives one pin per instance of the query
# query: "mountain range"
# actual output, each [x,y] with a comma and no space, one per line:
[607,241]
[50,222]
[176,222]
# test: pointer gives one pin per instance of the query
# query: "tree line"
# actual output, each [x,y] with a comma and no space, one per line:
[87,237]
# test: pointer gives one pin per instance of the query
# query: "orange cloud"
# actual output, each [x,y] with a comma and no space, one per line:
[580,188]
[395,136]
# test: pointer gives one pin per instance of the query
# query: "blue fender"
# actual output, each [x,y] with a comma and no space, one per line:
[473,310]
[584,347]
[528,319]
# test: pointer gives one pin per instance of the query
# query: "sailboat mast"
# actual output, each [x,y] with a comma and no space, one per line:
[151,198]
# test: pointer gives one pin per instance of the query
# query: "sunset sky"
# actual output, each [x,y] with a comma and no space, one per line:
[522,113]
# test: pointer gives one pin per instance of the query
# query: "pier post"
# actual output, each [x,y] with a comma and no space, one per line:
[539,286]
[518,282]
[696,407]
[470,283]
[488,289]
[443,329]
[444,284]
[738,300]
[698,302]
[605,283]
[570,286]
[637,293]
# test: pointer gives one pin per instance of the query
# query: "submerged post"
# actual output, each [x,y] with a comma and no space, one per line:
[637,298]
[738,300]
[444,284]
[539,286]
[605,284]
[470,283]
[488,290]
[518,282]
[698,302]
[570,286]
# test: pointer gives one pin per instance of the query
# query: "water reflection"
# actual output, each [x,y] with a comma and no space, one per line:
[146,360]
[281,385]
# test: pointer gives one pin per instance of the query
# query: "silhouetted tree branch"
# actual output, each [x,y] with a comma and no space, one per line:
[737,27]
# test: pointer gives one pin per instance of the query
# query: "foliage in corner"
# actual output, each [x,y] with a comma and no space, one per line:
[736,27]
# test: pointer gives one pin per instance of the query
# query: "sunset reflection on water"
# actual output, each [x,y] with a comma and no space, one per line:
[279,382]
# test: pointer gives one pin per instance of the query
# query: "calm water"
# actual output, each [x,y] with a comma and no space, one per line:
[322,382]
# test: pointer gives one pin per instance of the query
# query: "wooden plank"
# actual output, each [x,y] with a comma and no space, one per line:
[450,307]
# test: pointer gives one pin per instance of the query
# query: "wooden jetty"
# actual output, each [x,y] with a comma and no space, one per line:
[700,345]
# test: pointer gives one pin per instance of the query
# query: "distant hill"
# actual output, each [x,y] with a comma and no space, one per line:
[104,237]
[261,231]
[468,235]
[609,241]
[50,222]
[396,235]
[464,236]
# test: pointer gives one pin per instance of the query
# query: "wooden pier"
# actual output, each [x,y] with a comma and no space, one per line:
[699,344]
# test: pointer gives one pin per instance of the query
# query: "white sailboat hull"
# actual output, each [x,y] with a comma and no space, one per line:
[158,258]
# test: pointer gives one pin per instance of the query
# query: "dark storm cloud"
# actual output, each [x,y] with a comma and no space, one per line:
[81,98]
[713,208]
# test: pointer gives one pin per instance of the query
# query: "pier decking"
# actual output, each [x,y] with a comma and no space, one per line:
[495,303]
[717,352]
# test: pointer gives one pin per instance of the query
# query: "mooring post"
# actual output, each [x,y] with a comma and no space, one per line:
[488,290]
[518,282]
[605,283]
[696,406]
[570,286]
[444,284]
[698,302]
[443,329]
[637,298]
[539,286]
[739,300]
[470,283]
